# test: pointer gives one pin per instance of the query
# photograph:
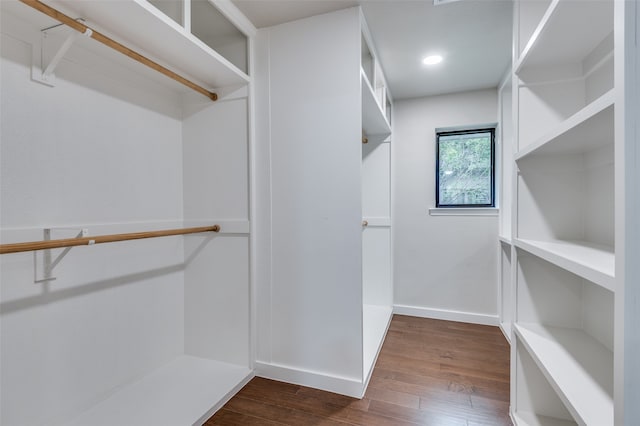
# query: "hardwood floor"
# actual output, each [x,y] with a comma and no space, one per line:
[429,372]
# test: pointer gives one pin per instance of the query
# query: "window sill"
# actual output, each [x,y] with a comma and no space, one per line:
[463,211]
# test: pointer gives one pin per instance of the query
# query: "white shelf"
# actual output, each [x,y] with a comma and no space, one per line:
[526,418]
[374,122]
[593,262]
[504,239]
[183,392]
[578,367]
[567,33]
[375,322]
[588,129]
[140,26]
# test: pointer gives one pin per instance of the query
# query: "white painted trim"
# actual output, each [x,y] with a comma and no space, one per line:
[505,240]
[447,315]
[237,18]
[463,211]
[378,222]
[314,379]
[253,205]
[505,332]
[506,79]
[472,127]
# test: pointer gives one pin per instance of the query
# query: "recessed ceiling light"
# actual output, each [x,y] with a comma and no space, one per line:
[432,60]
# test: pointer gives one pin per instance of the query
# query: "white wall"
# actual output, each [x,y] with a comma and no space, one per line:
[89,152]
[444,266]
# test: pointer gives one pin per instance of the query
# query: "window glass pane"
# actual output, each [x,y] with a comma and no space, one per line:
[465,169]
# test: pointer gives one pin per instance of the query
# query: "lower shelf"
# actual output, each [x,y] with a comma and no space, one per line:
[577,366]
[184,392]
[375,322]
[526,418]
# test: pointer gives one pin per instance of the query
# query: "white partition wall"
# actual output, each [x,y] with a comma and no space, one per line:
[318,323]
[153,331]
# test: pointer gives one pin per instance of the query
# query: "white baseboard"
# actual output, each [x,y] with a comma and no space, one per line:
[448,315]
[337,384]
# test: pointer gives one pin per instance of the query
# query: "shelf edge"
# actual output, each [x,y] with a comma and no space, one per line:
[582,269]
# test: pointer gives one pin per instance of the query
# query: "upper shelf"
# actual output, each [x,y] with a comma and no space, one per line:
[567,33]
[374,122]
[589,128]
[138,24]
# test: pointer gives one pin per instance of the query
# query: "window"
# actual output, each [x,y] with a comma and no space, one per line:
[465,168]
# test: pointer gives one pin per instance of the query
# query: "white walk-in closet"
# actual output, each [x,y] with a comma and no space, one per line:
[197,193]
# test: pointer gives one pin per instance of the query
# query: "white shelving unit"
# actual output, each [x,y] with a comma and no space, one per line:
[560,72]
[566,196]
[588,129]
[377,290]
[537,402]
[506,288]
[551,44]
[140,25]
[505,200]
[564,355]
[328,279]
[374,120]
[153,332]
[590,261]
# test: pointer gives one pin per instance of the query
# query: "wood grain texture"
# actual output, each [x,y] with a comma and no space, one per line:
[100,239]
[429,372]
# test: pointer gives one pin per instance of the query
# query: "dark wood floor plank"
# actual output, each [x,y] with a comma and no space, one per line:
[429,372]
[226,417]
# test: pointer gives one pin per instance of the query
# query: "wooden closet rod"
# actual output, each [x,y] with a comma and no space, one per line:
[99,239]
[80,27]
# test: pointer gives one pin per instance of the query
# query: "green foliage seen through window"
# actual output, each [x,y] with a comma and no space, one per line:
[465,169]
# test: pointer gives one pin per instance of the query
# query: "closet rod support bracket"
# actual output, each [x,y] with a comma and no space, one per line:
[43,261]
[44,72]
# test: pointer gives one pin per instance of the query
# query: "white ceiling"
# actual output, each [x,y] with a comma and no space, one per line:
[473,36]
